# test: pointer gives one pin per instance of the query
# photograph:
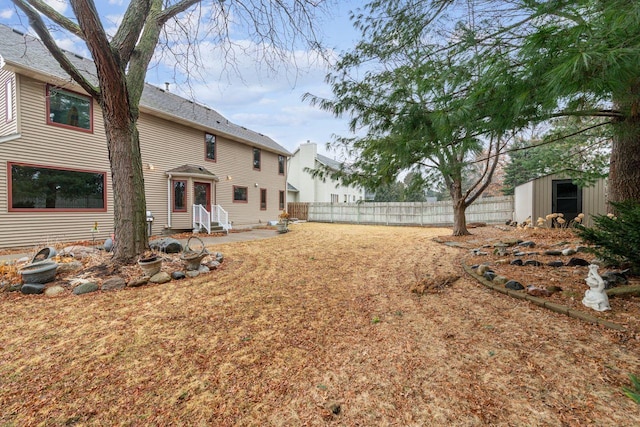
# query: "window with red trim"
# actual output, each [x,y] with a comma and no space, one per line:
[69,109]
[179,195]
[240,194]
[210,146]
[263,199]
[256,158]
[34,187]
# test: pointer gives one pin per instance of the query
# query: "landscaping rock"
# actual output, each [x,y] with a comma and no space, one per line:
[162,277]
[69,267]
[203,269]
[489,275]
[85,288]
[178,275]
[556,263]
[513,285]
[538,292]
[213,265]
[113,283]
[134,283]
[482,268]
[167,245]
[478,252]
[193,273]
[527,244]
[517,262]
[577,262]
[108,245]
[54,290]
[568,251]
[219,257]
[501,261]
[613,279]
[15,287]
[78,252]
[32,288]
[453,244]
[533,262]
[500,280]
[582,249]
[519,253]
[553,252]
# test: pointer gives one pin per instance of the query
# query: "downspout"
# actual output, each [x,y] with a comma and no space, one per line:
[169,201]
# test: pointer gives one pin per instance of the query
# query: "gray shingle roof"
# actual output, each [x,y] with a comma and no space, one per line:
[28,53]
[330,163]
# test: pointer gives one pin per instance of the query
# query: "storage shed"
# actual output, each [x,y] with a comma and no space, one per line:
[556,193]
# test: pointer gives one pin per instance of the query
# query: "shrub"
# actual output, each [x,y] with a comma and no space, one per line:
[616,239]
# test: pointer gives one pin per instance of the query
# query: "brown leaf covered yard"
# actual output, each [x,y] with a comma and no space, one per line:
[314,327]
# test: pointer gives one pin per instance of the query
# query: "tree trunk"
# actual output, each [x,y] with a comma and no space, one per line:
[459,206]
[624,169]
[129,205]
[459,218]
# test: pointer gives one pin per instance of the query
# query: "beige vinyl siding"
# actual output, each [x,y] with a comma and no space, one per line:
[236,160]
[7,127]
[167,145]
[45,145]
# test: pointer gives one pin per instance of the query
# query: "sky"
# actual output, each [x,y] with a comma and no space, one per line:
[247,93]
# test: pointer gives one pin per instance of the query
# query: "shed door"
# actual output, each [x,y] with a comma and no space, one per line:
[567,198]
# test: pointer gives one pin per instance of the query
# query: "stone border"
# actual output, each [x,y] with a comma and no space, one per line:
[541,302]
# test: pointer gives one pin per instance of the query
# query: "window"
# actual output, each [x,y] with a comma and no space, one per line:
[69,109]
[47,188]
[256,158]
[281,201]
[210,146]
[334,198]
[240,194]
[263,199]
[179,196]
[8,99]
[281,165]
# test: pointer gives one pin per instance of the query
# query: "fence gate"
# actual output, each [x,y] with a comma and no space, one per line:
[298,210]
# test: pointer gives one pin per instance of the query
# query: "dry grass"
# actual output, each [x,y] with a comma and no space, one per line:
[314,327]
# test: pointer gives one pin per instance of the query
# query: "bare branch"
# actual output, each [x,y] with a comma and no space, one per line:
[52,14]
[35,20]
[128,32]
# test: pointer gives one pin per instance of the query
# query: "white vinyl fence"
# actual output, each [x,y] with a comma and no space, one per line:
[487,209]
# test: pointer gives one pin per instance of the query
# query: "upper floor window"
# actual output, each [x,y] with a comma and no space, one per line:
[210,146]
[8,99]
[47,188]
[69,109]
[281,165]
[256,158]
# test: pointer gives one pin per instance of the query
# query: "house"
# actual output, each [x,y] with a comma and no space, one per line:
[556,193]
[302,186]
[55,177]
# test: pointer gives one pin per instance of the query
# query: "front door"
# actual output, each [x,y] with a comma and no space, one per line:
[202,194]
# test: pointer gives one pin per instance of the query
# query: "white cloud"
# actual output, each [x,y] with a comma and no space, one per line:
[59,6]
[6,13]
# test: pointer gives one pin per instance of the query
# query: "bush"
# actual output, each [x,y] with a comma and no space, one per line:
[616,239]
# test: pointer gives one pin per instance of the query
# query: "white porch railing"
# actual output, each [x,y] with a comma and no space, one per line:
[221,217]
[201,218]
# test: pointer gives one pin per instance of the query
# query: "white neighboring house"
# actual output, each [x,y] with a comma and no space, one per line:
[303,187]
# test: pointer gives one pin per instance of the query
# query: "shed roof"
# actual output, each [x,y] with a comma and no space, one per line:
[26,53]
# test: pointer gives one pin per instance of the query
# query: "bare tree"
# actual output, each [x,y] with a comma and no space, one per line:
[122,60]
